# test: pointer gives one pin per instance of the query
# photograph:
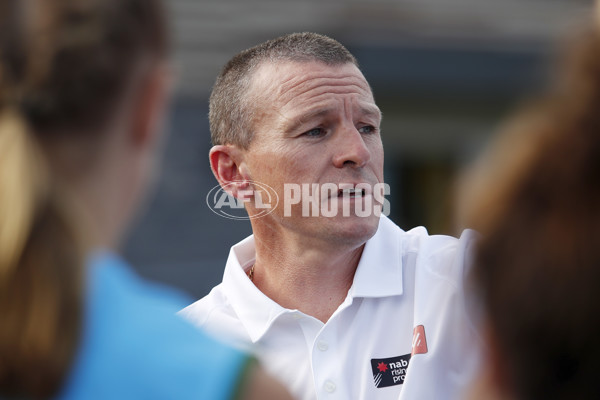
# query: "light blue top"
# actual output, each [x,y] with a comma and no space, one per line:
[133,346]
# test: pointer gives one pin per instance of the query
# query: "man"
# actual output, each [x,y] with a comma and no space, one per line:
[341,305]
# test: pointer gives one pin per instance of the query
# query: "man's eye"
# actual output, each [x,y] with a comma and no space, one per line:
[367,129]
[315,132]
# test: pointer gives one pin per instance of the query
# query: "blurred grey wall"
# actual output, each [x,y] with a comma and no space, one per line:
[444,73]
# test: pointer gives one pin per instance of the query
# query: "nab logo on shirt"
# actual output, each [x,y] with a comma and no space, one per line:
[389,371]
[392,371]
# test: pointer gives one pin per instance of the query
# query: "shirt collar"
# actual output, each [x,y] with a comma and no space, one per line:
[379,271]
[379,274]
[256,311]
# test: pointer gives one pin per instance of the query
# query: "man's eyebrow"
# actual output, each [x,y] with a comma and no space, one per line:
[292,123]
[372,111]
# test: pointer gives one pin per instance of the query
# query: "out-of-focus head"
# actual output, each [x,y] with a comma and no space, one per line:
[536,202]
[72,73]
[78,80]
[232,103]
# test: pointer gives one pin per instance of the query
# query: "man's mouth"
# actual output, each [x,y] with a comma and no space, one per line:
[352,192]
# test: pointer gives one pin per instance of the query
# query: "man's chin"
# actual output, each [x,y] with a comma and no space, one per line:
[354,229]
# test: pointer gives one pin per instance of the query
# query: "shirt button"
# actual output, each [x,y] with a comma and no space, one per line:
[323,346]
[329,387]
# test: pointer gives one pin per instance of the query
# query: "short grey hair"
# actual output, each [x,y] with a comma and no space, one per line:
[231,112]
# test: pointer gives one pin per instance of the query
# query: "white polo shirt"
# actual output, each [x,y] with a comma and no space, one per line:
[407,297]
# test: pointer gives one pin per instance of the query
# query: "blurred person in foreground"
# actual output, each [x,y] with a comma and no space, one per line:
[339,304]
[535,198]
[82,90]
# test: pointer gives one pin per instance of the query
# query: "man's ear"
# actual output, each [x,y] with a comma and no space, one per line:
[226,162]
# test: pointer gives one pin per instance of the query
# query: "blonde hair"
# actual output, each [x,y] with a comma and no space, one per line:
[41,253]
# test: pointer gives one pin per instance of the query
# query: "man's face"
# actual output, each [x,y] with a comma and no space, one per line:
[317,124]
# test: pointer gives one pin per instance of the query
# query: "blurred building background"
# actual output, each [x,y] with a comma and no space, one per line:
[444,73]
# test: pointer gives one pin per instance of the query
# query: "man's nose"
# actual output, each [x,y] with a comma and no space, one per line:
[350,149]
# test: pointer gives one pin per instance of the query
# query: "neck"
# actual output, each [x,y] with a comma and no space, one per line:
[93,192]
[104,222]
[297,275]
